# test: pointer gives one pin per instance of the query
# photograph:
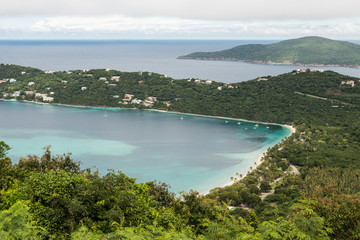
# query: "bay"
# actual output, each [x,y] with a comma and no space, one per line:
[158,56]
[185,151]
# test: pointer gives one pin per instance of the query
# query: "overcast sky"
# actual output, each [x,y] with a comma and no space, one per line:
[181,19]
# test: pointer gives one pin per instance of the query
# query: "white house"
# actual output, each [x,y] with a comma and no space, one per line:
[31,83]
[83,88]
[115,78]
[136,101]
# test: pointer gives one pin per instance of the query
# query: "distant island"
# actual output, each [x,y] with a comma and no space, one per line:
[308,51]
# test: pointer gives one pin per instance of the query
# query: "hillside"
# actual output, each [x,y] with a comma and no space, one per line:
[49,197]
[316,51]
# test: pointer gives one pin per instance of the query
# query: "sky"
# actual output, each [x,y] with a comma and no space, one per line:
[180,19]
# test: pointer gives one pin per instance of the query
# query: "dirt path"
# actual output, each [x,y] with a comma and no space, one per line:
[323,98]
[272,191]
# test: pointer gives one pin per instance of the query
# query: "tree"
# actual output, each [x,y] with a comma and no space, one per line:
[265,186]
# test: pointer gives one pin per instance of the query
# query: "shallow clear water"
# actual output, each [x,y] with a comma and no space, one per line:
[142,55]
[185,151]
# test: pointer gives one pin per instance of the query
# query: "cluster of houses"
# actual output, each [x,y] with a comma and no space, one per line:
[311,70]
[350,82]
[207,82]
[44,96]
[129,99]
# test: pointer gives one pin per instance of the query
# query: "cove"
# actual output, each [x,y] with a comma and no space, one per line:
[182,150]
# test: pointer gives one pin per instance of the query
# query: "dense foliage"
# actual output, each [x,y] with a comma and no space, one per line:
[51,197]
[306,50]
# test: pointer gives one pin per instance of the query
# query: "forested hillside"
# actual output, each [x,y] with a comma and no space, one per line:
[307,186]
[306,50]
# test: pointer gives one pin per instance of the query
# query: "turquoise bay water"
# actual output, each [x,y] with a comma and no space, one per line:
[185,151]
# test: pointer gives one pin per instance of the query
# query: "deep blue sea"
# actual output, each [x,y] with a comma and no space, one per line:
[158,56]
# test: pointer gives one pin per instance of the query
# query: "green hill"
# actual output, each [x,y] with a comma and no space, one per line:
[302,51]
[50,197]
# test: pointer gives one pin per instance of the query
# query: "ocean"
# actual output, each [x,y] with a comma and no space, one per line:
[187,152]
[158,56]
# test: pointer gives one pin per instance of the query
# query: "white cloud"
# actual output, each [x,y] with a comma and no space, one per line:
[228,10]
[120,26]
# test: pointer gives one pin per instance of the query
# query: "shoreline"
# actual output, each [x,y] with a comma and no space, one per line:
[272,63]
[291,128]
[252,167]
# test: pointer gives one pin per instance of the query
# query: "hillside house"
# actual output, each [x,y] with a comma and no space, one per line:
[12,80]
[136,101]
[151,99]
[16,94]
[102,78]
[30,84]
[44,96]
[115,78]
[30,92]
[351,83]
[128,97]
[83,88]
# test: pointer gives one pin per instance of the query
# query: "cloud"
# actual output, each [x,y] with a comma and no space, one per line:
[225,10]
[127,27]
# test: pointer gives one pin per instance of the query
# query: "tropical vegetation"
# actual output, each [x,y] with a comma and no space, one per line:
[306,187]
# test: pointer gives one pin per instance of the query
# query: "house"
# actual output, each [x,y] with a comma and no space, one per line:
[51,93]
[16,94]
[128,97]
[5,94]
[208,82]
[102,79]
[219,88]
[44,97]
[22,73]
[116,96]
[197,80]
[4,80]
[351,83]
[151,99]
[107,70]
[31,83]
[136,101]
[262,79]
[30,92]
[115,78]
[317,70]
[83,88]
[64,81]
[141,81]
[230,86]
[88,75]
[12,80]
[148,103]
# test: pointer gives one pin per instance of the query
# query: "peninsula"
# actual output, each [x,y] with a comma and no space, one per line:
[309,51]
